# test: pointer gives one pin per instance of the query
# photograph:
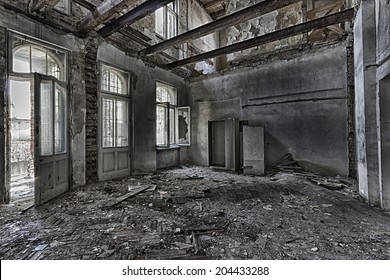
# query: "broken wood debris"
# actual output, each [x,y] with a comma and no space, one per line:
[193,177]
[328,184]
[122,198]
[286,162]
[200,230]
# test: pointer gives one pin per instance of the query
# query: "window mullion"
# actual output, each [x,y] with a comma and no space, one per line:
[167,120]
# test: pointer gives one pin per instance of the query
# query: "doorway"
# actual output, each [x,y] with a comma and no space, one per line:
[21,139]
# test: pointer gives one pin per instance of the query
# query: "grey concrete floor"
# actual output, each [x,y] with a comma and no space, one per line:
[197,213]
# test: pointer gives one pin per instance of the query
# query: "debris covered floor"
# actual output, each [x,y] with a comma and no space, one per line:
[197,213]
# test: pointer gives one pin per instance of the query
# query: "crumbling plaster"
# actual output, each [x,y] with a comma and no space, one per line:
[276,20]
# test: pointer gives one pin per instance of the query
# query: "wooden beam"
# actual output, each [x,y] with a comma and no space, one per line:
[101,14]
[213,4]
[44,5]
[227,21]
[340,17]
[130,17]
[85,4]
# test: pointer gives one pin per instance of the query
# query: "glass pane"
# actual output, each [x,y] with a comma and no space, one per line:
[60,120]
[38,61]
[165,93]
[161,125]
[159,22]
[171,25]
[122,125]
[53,68]
[108,123]
[46,119]
[21,60]
[172,129]
[113,81]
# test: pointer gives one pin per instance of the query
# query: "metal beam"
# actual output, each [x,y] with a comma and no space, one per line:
[130,17]
[85,4]
[340,17]
[101,14]
[227,21]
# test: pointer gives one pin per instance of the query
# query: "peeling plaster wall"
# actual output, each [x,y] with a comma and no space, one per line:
[144,158]
[302,104]
[17,22]
[283,18]
[367,102]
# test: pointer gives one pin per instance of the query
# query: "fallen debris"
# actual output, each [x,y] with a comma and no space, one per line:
[125,197]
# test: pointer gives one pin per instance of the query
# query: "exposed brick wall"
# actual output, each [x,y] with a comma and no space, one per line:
[77,101]
[91,77]
[351,110]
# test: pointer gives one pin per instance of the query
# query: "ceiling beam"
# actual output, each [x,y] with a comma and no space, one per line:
[336,18]
[44,5]
[101,14]
[227,21]
[85,4]
[144,9]
[213,4]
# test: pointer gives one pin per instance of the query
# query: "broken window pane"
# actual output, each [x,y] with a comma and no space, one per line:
[108,123]
[46,119]
[122,125]
[60,120]
[183,123]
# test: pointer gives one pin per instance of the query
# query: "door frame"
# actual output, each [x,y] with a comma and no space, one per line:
[38,158]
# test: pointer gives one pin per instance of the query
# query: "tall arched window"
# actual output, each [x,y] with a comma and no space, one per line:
[115,108]
[32,58]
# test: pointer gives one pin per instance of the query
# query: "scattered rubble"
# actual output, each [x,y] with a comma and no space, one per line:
[197,213]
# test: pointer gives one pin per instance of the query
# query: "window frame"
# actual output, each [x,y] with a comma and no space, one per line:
[115,97]
[45,46]
[167,10]
[167,119]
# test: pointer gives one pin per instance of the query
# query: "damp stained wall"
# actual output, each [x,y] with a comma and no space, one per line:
[301,103]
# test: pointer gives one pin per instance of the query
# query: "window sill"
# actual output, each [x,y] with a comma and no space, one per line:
[172,147]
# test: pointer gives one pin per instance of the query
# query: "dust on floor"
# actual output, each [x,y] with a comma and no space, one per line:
[197,213]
